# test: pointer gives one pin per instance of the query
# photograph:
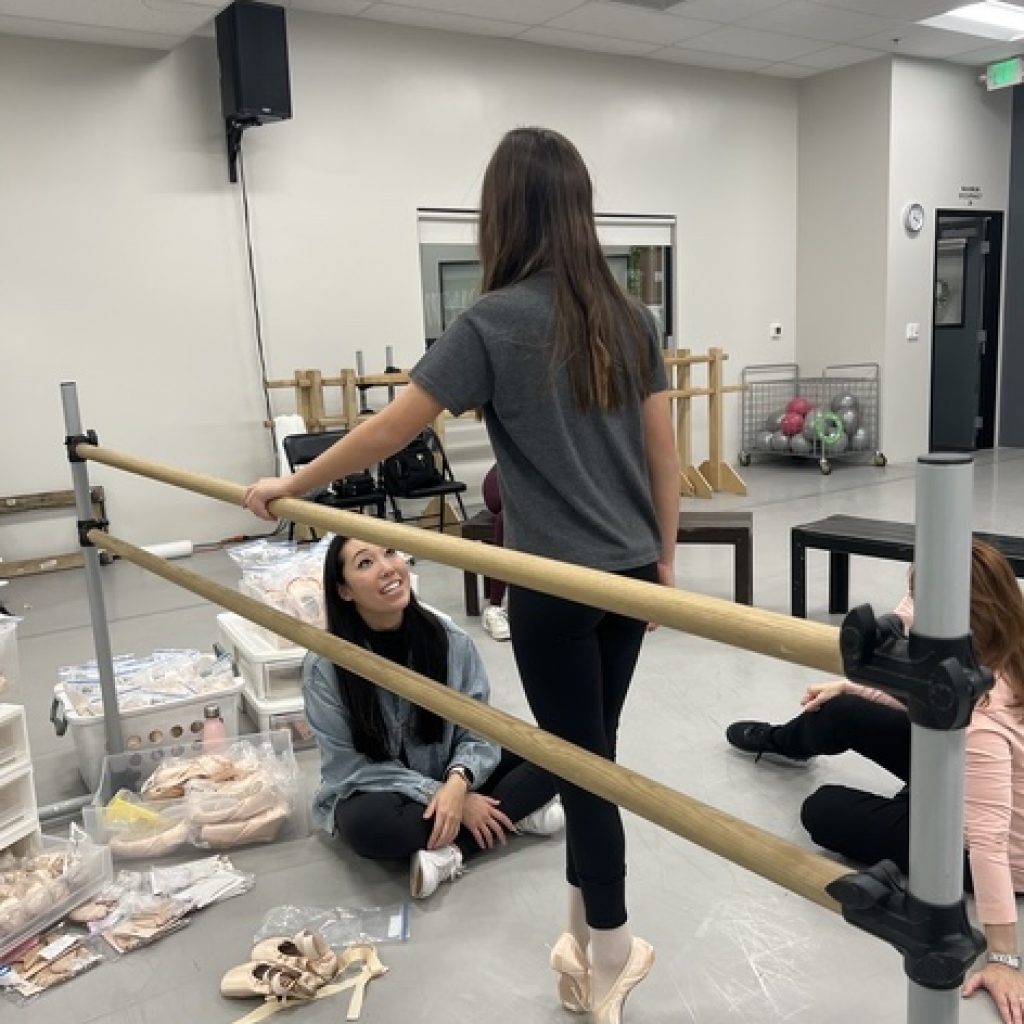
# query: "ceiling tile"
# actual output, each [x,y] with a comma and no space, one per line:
[837,57]
[789,71]
[397,15]
[722,10]
[45,28]
[902,10]
[813,21]
[582,41]
[524,12]
[747,42]
[987,54]
[697,58]
[920,41]
[345,7]
[631,23]
[161,17]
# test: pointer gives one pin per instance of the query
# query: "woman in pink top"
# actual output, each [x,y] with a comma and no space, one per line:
[865,827]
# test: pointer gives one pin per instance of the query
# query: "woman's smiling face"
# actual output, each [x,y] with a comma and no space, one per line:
[376,581]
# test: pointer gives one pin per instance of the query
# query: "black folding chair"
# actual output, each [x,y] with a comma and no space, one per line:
[359,491]
[421,470]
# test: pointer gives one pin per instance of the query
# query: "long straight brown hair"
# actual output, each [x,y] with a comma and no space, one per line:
[997,615]
[537,213]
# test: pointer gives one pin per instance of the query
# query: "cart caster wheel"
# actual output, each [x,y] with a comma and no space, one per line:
[743,458]
[825,466]
[880,459]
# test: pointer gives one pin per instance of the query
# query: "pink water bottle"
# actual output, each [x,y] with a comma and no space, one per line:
[214,729]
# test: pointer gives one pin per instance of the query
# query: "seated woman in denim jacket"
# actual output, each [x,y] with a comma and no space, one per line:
[398,781]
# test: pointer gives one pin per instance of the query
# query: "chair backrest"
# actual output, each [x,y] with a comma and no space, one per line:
[302,448]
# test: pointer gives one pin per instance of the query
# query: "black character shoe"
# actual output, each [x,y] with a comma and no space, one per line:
[757,738]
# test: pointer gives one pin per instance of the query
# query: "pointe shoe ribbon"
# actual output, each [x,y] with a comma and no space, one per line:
[371,968]
[638,966]
[569,962]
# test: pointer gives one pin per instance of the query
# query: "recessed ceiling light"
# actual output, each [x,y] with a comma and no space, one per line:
[990,19]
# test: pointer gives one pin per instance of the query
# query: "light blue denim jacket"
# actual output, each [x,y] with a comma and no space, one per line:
[344,771]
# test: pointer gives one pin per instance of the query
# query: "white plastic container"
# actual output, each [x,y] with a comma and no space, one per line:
[19,817]
[288,714]
[145,728]
[270,672]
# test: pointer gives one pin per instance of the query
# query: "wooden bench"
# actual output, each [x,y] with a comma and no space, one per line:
[842,536]
[695,527]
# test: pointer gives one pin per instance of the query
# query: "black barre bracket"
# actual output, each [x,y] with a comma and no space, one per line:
[937,942]
[939,680]
[72,441]
[85,525]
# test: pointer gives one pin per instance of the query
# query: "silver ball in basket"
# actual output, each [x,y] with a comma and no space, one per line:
[840,444]
[799,445]
[810,431]
[840,403]
[774,421]
[859,440]
[763,440]
[850,420]
[780,442]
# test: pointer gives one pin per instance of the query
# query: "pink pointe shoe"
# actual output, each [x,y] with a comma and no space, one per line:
[638,966]
[569,962]
[306,951]
[274,982]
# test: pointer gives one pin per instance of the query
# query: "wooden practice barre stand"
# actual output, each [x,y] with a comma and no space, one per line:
[805,873]
[714,473]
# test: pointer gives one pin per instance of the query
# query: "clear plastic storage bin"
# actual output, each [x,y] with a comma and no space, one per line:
[270,671]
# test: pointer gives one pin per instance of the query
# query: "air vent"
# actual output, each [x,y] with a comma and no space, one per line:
[648,5]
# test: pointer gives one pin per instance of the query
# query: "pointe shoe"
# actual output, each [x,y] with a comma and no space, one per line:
[569,962]
[233,801]
[271,981]
[638,966]
[306,951]
[261,829]
[149,844]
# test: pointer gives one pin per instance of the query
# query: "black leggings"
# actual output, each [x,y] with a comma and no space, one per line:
[389,826]
[576,664]
[861,826]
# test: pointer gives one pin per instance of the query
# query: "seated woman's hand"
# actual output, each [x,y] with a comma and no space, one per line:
[446,810]
[259,494]
[485,821]
[821,693]
[1006,987]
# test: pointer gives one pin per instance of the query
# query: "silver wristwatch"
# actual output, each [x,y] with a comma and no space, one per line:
[1006,959]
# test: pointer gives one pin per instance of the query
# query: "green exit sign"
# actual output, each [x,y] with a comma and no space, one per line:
[1005,73]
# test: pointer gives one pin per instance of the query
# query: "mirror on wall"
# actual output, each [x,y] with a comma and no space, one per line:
[450,270]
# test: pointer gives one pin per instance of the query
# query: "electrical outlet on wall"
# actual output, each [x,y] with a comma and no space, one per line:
[913,332]
[775,331]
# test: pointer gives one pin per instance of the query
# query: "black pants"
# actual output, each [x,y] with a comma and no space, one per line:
[576,664]
[389,826]
[861,826]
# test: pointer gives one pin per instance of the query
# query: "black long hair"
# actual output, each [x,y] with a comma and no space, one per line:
[537,213]
[428,649]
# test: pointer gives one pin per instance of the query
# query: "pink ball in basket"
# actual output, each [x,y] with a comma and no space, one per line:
[801,406]
[792,423]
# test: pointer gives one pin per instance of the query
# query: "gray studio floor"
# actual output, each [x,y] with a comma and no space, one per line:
[731,947]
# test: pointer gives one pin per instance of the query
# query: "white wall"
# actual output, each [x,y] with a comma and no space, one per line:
[843,191]
[122,255]
[947,131]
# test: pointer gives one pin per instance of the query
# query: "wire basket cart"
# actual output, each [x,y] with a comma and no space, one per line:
[834,416]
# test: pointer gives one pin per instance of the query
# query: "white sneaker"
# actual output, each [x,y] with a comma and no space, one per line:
[429,868]
[495,621]
[545,821]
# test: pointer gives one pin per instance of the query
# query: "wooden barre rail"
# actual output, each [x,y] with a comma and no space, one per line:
[775,859]
[812,644]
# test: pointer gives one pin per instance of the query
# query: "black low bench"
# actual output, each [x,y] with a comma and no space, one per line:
[842,536]
[695,527]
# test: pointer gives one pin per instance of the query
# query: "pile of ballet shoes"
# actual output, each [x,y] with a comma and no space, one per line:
[286,971]
[214,801]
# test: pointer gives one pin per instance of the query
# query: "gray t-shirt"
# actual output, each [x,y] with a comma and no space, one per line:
[574,485]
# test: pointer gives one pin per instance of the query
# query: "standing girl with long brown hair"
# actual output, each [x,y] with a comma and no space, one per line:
[865,827]
[568,372]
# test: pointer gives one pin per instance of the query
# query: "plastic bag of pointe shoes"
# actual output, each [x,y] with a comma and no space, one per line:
[48,960]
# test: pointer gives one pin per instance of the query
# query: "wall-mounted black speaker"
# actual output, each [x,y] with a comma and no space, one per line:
[252,47]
